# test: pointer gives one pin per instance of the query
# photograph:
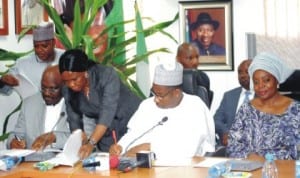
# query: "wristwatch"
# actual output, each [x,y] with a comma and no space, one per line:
[92,141]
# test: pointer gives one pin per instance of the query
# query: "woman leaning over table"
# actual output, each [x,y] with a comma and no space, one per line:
[270,122]
[95,90]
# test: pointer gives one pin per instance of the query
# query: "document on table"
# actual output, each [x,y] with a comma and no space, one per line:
[16,152]
[173,162]
[69,155]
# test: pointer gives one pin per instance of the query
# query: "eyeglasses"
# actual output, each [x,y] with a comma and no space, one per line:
[161,96]
[51,90]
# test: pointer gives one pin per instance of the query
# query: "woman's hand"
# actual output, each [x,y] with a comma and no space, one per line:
[85,150]
[115,149]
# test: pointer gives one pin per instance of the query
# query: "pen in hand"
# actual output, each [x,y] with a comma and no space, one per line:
[114,136]
[17,138]
[19,143]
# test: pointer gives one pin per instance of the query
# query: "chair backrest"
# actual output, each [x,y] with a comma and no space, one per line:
[190,86]
[291,86]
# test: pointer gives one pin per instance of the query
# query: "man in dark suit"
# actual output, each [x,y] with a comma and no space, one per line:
[188,56]
[231,101]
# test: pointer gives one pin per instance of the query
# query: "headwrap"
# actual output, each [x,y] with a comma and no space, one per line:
[168,74]
[272,64]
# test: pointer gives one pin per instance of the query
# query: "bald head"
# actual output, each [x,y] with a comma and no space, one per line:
[188,56]
[51,85]
[53,73]
[243,74]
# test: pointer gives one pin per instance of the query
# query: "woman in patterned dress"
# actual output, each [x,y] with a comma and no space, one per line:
[270,122]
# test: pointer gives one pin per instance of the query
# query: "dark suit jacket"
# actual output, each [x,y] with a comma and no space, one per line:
[225,114]
[110,103]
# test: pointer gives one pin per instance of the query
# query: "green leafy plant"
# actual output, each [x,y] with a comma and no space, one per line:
[114,54]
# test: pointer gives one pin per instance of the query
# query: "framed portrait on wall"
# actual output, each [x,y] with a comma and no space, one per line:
[3,17]
[208,25]
[27,13]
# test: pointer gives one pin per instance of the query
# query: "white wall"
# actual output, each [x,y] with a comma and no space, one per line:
[244,13]
[245,19]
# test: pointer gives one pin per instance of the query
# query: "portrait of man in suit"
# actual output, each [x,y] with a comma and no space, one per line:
[209,27]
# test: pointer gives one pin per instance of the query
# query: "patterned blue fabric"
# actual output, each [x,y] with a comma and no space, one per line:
[258,132]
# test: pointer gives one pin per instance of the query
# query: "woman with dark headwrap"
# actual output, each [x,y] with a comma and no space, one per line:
[270,123]
[95,91]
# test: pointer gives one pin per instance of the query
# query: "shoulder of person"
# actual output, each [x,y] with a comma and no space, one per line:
[34,99]
[237,89]
[26,58]
[192,99]
[102,69]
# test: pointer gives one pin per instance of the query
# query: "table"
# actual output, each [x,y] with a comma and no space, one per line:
[286,169]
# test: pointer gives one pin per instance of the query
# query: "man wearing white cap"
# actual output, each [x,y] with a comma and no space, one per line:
[172,123]
[32,65]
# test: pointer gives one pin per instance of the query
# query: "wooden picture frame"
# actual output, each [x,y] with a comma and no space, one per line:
[208,25]
[28,14]
[3,17]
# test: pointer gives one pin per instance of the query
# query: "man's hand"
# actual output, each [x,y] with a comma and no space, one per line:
[16,144]
[43,140]
[10,80]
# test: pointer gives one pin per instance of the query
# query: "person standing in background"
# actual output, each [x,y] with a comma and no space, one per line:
[33,65]
[188,56]
[32,12]
[231,101]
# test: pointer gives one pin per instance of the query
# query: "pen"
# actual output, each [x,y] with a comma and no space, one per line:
[114,136]
[18,138]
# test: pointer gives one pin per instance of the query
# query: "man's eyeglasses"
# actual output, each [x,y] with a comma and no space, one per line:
[161,96]
[51,90]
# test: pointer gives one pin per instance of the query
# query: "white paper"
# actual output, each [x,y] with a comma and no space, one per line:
[69,155]
[26,87]
[16,152]
[208,162]
[173,162]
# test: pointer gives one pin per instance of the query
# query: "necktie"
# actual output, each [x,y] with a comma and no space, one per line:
[247,94]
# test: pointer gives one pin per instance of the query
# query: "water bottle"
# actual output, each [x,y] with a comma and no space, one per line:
[297,162]
[9,162]
[269,169]
[219,169]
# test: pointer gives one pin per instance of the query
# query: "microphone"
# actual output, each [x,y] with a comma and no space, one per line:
[93,164]
[62,114]
[131,166]
[163,120]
